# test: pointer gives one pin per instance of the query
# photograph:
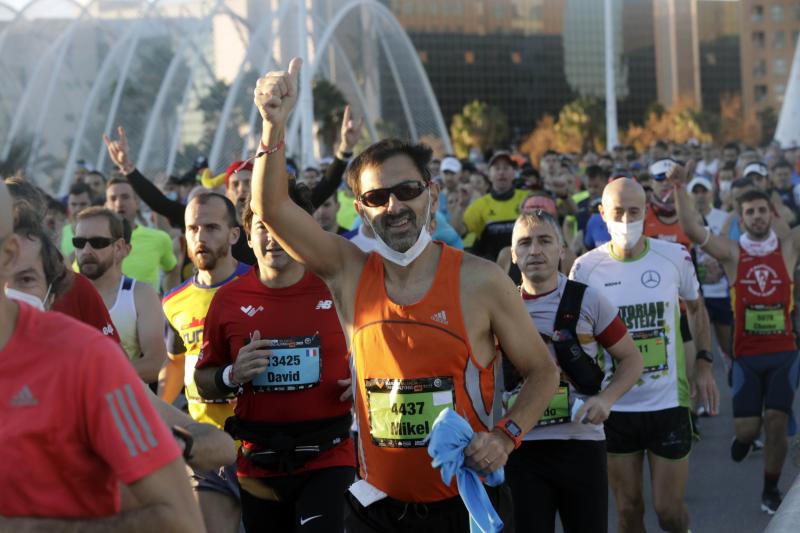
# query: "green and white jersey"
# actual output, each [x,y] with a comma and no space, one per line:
[646,290]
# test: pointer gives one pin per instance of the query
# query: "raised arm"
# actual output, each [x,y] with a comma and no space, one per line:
[119,153]
[348,137]
[298,233]
[721,248]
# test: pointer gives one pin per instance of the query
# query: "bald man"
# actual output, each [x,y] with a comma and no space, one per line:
[65,386]
[646,278]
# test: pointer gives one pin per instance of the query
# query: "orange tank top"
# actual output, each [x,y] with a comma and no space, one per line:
[410,363]
[653,227]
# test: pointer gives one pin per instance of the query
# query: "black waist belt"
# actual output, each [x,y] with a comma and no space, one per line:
[287,447]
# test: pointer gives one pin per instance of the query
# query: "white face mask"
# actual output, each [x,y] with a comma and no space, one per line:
[404,259]
[29,299]
[725,186]
[625,235]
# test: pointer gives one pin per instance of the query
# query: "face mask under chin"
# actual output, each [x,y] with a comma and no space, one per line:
[404,259]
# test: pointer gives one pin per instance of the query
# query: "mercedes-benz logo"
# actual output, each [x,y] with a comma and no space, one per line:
[651,279]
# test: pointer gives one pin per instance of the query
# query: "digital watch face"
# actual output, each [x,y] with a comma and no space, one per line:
[513,429]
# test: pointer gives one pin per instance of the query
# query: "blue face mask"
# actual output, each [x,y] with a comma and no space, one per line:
[172,195]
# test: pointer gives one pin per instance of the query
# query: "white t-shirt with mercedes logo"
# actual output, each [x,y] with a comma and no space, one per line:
[646,290]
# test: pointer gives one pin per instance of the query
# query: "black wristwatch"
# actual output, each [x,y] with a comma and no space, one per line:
[705,355]
[181,433]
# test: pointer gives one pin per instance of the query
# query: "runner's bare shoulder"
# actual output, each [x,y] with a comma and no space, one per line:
[481,277]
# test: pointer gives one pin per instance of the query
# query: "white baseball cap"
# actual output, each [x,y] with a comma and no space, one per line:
[450,164]
[756,168]
[699,180]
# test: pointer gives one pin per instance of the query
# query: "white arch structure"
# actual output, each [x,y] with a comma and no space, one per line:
[171,117]
[388,18]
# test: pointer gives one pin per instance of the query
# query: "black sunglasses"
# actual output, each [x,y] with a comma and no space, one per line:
[98,243]
[404,192]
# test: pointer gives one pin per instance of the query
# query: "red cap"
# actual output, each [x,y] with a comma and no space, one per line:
[235,167]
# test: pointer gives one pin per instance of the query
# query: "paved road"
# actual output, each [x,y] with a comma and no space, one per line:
[722,496]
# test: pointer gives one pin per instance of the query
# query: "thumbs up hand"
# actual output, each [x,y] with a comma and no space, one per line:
[275,94]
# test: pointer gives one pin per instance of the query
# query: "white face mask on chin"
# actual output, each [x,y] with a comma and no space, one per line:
[20,296]
[404,259]
[625,235]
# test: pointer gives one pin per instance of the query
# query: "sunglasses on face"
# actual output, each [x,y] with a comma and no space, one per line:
[98,243]
[404,192]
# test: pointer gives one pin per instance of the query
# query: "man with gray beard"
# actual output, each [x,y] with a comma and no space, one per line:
[102,241]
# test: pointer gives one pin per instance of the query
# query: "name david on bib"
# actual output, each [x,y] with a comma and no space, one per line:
[295,363]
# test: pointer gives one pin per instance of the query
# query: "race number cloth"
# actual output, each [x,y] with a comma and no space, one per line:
[450,436]
[294,364]
[402,411]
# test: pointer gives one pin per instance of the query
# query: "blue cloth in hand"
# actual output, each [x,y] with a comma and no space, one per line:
[449,437]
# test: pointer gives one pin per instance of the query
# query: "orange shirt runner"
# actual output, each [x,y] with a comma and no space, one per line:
[411,362]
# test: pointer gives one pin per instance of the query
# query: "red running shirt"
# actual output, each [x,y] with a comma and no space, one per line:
[82,302]
[763,299]
[302,311]
[74,421]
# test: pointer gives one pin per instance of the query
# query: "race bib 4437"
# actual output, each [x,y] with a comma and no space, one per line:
[402,411]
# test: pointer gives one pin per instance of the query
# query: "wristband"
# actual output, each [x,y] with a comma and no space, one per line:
[268,150]
[227,377]
[223,381]
[705,355]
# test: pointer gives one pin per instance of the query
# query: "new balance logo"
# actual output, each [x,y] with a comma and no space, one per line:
[250,310]
[24,398]
[325,304]
[108,329]
[440,317]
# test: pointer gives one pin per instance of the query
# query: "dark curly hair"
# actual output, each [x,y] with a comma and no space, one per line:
[380,151]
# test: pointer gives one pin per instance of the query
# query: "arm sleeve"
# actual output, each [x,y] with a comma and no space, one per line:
[155,199]
[216,349]
[608,327]
[600,309]
[121,424]
[329,182]
[689,288]
[168,259]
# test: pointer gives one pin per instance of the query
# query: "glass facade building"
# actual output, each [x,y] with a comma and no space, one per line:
[530,57]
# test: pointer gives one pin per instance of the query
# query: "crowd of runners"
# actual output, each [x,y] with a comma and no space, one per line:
[270,349]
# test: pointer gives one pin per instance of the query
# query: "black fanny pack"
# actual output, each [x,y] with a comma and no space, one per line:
[288,446]
[580,369]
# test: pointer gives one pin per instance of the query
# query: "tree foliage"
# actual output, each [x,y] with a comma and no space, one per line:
[676,124]
[479,125]
[734,126]
[580,127]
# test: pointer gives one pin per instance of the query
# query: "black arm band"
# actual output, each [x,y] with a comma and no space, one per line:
[705,355]
[220,383]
